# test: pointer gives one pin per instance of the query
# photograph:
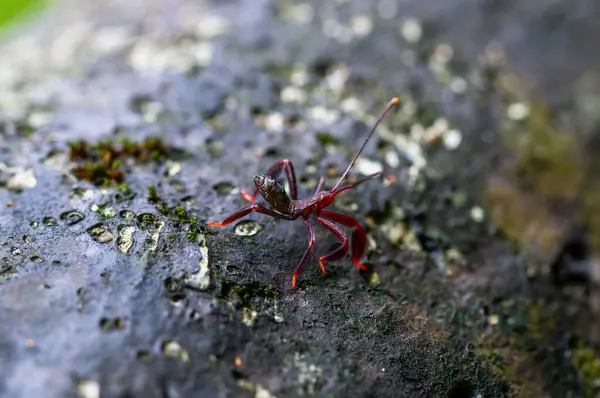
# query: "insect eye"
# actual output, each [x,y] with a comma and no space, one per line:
[260,179]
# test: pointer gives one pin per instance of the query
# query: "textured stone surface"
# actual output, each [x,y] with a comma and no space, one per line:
[132,297]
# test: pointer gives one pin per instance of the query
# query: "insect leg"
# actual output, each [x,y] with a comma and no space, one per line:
[320,185]
[359,236]
[244,211]
[274,171]
[311,242]
[338,253]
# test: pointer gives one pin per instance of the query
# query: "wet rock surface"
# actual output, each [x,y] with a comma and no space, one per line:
[126,127]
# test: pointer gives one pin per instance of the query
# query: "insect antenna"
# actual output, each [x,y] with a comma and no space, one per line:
[393,102]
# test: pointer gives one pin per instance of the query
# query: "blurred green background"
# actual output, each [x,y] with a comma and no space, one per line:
[13,10]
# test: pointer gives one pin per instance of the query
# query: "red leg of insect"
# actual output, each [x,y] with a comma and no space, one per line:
[320,185]
[244,211]
[311,242]
[274,171]
[359,236]
[338,253]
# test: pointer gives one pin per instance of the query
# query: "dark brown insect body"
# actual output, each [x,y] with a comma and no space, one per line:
[289,207]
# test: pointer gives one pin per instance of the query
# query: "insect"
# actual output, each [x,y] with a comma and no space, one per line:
[289,207]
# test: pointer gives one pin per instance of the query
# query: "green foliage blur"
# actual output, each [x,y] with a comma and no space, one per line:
[12,10]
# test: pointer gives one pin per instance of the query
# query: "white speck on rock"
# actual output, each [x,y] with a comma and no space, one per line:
[367,166]
[203,52]
[262,392]
[173,349]
[20,177]
[323,114]
[352,105]
[361,25]
[108,40]
[452,139]
[477,214]
[392,159]
[39,119]
[336,80]
[299,77]
[210,26]
[411,30]
[88,389]
[517,111]
[173,168]
[458,85]
[300,14]
[278,318]
[274,121]
[293,94]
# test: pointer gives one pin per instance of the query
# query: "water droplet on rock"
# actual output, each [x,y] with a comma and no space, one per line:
[124,195]
[126,214]
[223,188]
[5,271]
[172,285]
[125,238]
[172,168]
[145,356]
[178,299]
[112,324]
[72,217]
[100,233]
[200,279]
[173,349]
[81,194]
[51,221]
[151,225]
[149,222]
[247,228]
[105,210]
[214,148]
